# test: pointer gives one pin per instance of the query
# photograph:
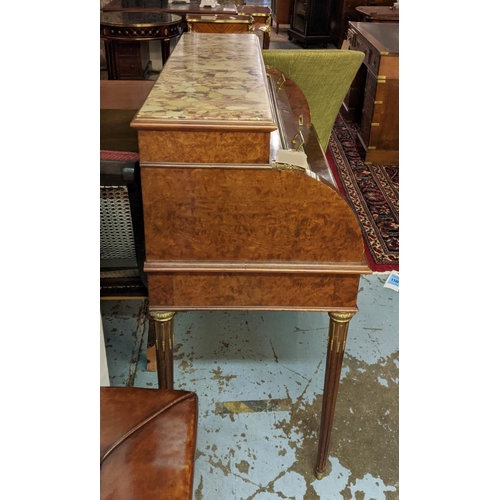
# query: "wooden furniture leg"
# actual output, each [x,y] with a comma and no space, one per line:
[164,329]
[151,349]
[110,60]
[165,50]
[266,37]
[339,322]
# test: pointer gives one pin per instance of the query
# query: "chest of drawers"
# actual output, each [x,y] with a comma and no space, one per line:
[373,100]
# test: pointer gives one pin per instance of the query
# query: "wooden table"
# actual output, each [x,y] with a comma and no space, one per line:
[181,9]
[228,228]
[123,32]
[378,14]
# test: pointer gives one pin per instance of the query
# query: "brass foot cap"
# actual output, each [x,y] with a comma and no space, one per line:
[318,474]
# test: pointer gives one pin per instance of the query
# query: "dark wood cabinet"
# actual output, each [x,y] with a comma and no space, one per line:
[345,11]
[281,11]
[310,21]
[128,61]
[373,99]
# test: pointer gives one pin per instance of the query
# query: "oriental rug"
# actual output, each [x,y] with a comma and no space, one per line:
[372,191]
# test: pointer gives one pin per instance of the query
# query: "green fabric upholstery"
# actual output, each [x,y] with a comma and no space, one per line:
[324,76]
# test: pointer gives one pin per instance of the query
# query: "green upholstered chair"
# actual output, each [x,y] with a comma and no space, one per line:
[324,77]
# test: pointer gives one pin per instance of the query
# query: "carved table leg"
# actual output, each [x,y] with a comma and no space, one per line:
[151,349]
[164,329]
[110,60]
[339,322]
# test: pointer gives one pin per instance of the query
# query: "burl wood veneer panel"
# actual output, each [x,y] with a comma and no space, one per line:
[245,214]
[200,146]
[244,290]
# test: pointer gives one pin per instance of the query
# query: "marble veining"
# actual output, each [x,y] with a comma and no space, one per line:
[211,77]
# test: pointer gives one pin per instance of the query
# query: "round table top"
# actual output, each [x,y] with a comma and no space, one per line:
[139,19]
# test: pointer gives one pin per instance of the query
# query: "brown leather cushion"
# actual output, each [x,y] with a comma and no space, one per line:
[148,443]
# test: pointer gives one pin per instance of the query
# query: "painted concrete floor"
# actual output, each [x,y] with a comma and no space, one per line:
[274,363]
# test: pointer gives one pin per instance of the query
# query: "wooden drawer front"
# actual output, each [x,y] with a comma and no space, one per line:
[212,291]
[127,49]
[353,100]
[372,57]
[128,60]
[368,107]
[129,68]
[351,38]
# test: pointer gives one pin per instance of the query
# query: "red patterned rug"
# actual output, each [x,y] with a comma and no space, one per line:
[373,193]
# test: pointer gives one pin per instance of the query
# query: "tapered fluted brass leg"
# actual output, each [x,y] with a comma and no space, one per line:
[164,330]
[339,322]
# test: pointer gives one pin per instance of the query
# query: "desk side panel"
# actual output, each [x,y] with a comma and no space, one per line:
[214,213]
[201,146]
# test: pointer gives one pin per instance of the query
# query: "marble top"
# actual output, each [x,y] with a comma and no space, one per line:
[210,80]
